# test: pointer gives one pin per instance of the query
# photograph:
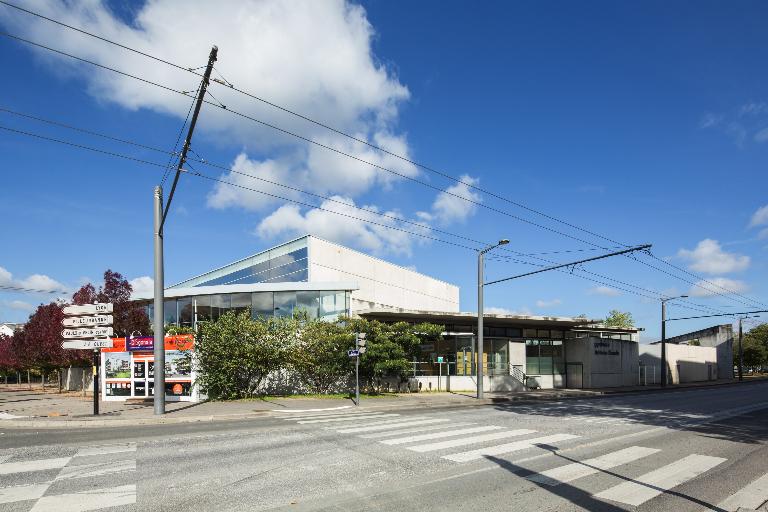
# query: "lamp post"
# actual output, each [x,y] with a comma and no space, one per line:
[664,337]
[480,280]
[741,349]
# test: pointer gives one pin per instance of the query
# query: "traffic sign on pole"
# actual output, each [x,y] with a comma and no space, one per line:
[87,344]
[79,321]
[96,332]
[88,309]
[353,353]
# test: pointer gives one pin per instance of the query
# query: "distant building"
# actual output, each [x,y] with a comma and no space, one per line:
[7,328]
[718,336]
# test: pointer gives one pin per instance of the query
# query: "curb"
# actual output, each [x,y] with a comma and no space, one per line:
[420,404]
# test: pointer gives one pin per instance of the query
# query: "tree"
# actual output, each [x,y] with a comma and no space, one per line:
[235,353]
[620,319]
[320,359]
[128,316]
[755,353]
[759,334]
[38,344]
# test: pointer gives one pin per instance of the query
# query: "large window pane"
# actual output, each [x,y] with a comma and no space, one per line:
[240,302]
[284,303]
[203,308]
[185,312]
[332,304]
[262,305]
[308,302]
[170,316]
[219,305]
[532,357]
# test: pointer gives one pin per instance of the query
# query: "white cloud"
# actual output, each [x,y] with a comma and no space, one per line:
[548,303]
[20,305]
[709,257]
[504,311]
[763,234]
[760,217]
[719,285]
[762,135]
[313,57]
[448,208]
[741,123]
[142,285]
[379,239]
[34,282]
[604,290]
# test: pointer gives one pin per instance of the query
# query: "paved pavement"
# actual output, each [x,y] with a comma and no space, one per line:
[687,450]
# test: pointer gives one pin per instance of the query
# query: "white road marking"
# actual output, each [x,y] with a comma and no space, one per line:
[570,472]
[749,497]
[426,428]
[469,440]
[33,465]
[105,449]
[374,428]
[348,418]
[438,435]
[327,415]
[92,470]
[650,485]
[293,411]
[23,492]
[6,416]
[369,423]
[87,500]
[508,447]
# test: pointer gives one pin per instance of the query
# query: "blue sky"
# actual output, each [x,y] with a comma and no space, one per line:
[645,123]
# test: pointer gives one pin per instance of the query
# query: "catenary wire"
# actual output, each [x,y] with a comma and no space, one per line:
[477,203]
[397,219]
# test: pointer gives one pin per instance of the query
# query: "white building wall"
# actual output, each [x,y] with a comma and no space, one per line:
[381,284]
[686,363]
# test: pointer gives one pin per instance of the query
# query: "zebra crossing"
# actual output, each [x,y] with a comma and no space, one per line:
[462,442]
[66,483]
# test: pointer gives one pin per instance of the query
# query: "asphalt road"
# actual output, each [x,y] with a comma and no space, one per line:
[682,450]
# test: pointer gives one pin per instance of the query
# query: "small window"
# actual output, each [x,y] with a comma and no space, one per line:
[556,335]
[514,333]
[543,333]
[497,331]
[529,333]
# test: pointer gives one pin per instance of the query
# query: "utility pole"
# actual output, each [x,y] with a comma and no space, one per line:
[741,353]
[160,216]
[480,312]
[664,337]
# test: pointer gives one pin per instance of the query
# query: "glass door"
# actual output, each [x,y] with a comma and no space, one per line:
[140,379]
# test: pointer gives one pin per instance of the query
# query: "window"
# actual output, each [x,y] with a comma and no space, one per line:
[498,331]
[558,335]
[529,333]
[284,303]
[170,315]
[220,304]
[543,333]
[262,304]
[239,302]
[514,333]
[332,305]
[185,312]
[308,302]
[203,308]
[532,357]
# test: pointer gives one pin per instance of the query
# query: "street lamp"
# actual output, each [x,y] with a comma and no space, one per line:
[480,280]
[664,337]
[741,350]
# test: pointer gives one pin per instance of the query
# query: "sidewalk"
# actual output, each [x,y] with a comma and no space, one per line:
[24,408]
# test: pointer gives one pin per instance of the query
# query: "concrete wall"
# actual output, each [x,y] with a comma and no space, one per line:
[719,336]
[606,363]
[685,363]
[382,284]
[467,383]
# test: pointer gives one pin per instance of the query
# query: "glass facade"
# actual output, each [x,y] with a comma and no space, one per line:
[327,305]
[544,357]
[285,263]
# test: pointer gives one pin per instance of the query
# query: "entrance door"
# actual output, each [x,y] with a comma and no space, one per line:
[574,375]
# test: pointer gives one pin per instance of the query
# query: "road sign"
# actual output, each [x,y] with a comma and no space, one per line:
[96,332]
[87,344]
[439,359]
[88,309]
[80,321]
[353,353]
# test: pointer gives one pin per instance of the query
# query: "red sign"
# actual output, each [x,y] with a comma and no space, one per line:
[179,342]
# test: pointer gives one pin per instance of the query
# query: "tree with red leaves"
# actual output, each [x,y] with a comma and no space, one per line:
[38,345]
[128,317]
[8,359]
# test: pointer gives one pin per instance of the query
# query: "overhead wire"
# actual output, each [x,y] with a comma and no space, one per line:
[357,139]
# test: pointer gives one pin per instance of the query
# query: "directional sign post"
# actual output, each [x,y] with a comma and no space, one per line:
[353,353]
[90,328]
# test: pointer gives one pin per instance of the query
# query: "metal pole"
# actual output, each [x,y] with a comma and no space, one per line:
[480,313]
[663,344]
[159,326]
[357,371]
[741,355]
[96,364]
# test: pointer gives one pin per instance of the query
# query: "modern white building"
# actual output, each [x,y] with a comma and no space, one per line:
[309,274]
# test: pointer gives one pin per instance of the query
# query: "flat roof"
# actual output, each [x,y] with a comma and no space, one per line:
[286,286]
[505,320]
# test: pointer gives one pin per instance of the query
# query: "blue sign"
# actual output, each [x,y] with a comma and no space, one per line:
[353,353]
